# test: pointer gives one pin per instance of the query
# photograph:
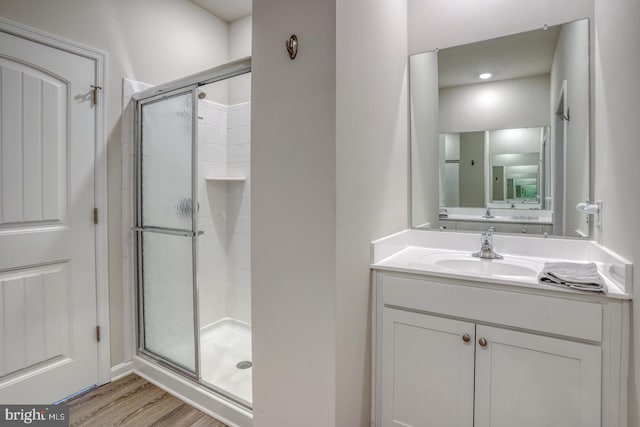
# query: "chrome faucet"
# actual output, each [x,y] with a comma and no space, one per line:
[486,246]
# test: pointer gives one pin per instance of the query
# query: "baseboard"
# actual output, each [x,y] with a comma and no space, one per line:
[121,370]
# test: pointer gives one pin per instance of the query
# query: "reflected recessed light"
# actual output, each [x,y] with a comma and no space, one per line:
[485,76]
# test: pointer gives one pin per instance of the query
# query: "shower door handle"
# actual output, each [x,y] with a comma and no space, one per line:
[170,231]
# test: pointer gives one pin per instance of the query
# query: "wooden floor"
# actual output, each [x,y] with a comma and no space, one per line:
[133,401]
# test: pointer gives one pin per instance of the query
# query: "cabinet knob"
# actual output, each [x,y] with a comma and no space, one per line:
[466,338]
[482,342]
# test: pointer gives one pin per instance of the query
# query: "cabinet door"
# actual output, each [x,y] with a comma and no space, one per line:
[528,380]
[427,371]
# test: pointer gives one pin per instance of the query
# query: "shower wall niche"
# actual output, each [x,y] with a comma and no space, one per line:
[224,268]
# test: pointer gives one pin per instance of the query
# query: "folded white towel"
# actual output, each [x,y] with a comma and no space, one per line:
[584,277]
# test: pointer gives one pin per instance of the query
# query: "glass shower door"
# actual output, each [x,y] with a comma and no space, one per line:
[167,230]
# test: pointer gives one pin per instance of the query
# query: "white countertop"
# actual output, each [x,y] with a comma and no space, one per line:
[405,252]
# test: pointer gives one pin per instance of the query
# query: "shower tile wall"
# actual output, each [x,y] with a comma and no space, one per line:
[239,210]
[224,274]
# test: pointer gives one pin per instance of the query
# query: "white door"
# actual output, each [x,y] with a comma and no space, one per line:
[427,370]
[47,238]
[528,380]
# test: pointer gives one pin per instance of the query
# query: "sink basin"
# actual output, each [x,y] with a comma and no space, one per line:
[465,264]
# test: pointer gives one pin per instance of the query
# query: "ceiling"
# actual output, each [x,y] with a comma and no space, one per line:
[227,10]
[520,55]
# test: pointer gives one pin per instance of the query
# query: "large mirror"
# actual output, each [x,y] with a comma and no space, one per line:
[500,133]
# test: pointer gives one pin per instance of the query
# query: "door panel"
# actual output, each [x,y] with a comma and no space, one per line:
[47,237]
[528,380]
[427,371]
[167,150]
[37,295]
[34,144]
[168,298]
[167,230]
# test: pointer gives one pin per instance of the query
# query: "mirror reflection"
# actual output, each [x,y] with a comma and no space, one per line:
[500,133]
[499,168]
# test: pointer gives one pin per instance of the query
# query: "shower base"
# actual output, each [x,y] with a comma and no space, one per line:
[223,345]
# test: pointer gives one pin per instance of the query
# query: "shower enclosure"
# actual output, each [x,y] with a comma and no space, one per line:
[192,230]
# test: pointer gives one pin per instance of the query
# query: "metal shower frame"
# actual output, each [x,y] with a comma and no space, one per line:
[188,84]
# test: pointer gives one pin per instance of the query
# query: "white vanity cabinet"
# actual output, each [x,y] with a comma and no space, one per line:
[532,380]
[458,353]
[427,370]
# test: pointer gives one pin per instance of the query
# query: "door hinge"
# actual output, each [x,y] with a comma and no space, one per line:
[95,94]
[98,333]
[95,215]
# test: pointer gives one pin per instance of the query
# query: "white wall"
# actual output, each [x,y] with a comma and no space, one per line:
[451,146]
[293,214]
[495,105]
[240,47]
[440,24]
[571,64]
[511,141]
[423,70]
[617,150]
[449,172]
[371,150]
[148,40]
[240,38]
[322,191]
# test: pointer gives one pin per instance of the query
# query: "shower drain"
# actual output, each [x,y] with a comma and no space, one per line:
[245,364]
